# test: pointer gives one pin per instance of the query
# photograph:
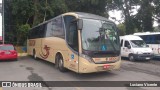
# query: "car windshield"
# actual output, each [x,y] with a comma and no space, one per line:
[6,48]
[138,43]
[98,35]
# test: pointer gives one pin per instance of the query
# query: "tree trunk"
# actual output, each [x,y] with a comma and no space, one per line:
[45,12]
[35,13]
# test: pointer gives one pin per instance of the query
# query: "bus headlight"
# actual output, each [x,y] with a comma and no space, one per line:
[87,58]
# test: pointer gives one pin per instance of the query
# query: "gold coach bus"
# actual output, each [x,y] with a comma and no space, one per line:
[80,42]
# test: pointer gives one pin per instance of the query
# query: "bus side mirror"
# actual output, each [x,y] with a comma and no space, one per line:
[80,24]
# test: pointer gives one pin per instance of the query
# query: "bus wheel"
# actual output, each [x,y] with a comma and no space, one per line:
[34,54]
[56,61]
[131,57]
[61,64]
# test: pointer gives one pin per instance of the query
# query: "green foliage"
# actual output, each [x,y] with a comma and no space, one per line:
[122,30]
[143,20]
[22,33]
[22,10]
[145,16]
[23,29]
[156,10]
[20,15]
[157,29]
[90,6]
[125,6]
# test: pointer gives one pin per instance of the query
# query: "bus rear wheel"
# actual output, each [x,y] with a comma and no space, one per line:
[60,63]
[34,54]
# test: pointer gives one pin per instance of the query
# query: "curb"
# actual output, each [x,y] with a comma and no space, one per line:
[22,54]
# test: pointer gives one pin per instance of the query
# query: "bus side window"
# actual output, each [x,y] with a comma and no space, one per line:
[71,32]
[157,39]
[49,31]
[73,36]
[42,31]
[57,27]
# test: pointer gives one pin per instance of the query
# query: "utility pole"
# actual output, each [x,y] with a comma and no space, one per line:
[3,21]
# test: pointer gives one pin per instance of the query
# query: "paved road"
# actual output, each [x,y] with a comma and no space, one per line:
[27,69]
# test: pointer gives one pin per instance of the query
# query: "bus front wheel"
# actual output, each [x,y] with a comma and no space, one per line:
[60,63]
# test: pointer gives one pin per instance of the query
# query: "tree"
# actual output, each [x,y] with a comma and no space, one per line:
[157,11]
[122,30]
[144,16]
[22,33]
[89,6]
[24,14]
[126,6]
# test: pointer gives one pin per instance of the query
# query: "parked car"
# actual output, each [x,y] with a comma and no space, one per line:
[135,48]
[8,52]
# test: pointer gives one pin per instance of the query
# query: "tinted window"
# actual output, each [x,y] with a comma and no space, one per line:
[67,21]
[49,31]
[121,42]
[55,28]
[151,39]
[42,31]
[6,48]
[71,32]
[126,43]
[73,36]
[37,32]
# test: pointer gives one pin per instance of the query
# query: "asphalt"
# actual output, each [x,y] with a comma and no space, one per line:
[28,69]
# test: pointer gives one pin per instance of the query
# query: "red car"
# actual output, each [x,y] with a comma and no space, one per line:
[8,52]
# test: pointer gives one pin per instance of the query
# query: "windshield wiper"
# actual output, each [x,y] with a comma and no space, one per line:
[105,52]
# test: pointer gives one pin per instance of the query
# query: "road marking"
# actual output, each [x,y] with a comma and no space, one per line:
[78,88]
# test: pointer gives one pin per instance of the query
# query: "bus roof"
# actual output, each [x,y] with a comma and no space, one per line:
[147,33]
[79,15]
[87,16]
[91,16]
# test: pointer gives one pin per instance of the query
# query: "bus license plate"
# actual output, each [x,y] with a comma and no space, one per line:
[106,66]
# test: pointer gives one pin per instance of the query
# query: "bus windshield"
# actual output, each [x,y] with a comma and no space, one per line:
[98,35]
[138,43]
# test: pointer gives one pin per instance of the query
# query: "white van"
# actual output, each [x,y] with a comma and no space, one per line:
[135,48]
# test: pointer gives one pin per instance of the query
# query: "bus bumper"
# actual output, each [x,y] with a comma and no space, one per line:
[87,67]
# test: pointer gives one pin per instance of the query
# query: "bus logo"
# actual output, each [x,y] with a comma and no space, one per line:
[46,54]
